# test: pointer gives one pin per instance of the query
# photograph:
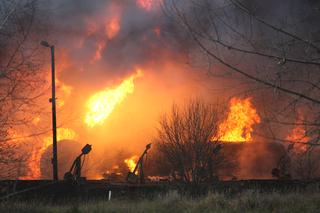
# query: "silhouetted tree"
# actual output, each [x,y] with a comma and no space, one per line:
[184,141]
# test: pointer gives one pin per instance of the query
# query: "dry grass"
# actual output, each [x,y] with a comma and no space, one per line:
[173,202]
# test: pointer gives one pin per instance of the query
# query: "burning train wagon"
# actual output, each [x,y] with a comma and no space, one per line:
[262,161]
[251,158]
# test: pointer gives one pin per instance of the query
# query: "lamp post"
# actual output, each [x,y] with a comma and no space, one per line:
[54,121]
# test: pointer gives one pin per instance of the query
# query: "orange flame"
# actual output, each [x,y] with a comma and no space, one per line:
[113,27]
[64,92]
[100,45]
[298,135]
[112,24]
[148,5]
[237,127]
[36,120]
[101,104]
[131,162]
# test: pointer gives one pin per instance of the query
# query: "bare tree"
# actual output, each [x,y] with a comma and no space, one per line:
[21,82]
[184,140]
[306,164]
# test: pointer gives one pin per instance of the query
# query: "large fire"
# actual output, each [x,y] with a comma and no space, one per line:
[101,104]
[131,162]
[238,125]
[114,37]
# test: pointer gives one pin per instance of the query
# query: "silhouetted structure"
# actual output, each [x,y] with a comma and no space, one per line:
[138,176]
[54,113]
[75,171]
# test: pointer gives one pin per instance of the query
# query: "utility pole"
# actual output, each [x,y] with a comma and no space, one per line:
[54,119]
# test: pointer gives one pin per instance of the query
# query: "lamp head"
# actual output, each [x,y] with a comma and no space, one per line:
[45,43]
[148,146]
[86,149]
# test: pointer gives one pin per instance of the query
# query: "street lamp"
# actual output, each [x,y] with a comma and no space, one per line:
[54,121]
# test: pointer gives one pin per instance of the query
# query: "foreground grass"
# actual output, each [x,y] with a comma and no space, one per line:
[247,202]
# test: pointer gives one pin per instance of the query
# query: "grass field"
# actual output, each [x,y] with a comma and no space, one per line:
[172,202]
